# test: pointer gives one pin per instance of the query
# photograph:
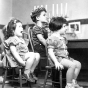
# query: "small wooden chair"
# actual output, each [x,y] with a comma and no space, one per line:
[49,72]
[43,58]
[52,72]
[49,69]
[9,65]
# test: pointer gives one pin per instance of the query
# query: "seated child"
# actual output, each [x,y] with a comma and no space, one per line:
[58,53]
[1,55]
[18,49]
[39,32]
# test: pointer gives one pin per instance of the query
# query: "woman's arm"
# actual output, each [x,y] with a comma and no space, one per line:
[16,55]
[41,39]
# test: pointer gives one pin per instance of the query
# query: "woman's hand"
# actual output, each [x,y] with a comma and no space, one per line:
[58,66]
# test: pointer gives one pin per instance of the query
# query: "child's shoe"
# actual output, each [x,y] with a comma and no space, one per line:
[77,86]
[74,82]
[69,86]
[28,77]
[33,76]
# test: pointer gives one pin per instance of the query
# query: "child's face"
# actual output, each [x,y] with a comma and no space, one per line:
[19,29]
[63,29]
[42,17]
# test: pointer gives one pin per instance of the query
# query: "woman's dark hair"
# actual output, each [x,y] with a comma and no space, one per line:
[11,27]
[56,23]
[36,13]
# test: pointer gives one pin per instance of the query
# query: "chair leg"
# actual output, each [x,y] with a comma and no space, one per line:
[12,77]
[60,79]
[5,75]
[29,84]
[52,86]
[20,76]
[46,76]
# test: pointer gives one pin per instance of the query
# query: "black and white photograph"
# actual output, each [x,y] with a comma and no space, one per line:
[74,26]
[43,43]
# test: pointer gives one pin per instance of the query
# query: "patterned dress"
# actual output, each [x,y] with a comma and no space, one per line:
[20,45]
[59,47]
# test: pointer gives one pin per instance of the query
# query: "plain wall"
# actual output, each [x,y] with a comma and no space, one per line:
[76,9]
[21,9]
[5,11]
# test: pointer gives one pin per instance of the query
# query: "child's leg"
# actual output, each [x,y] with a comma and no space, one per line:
[37,58]
[29,63]
[28,67]
[70,72]
[76,73]
[77,69]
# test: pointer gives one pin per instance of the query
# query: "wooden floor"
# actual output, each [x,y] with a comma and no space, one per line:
[39,84]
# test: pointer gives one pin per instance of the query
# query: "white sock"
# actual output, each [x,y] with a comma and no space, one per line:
[74,81]
[69,84]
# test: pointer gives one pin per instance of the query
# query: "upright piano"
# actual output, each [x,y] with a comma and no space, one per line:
[78,49]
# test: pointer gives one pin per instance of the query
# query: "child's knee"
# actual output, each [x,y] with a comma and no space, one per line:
[32,54]
[78,64]
[73,65]
[29,55]
[37,55]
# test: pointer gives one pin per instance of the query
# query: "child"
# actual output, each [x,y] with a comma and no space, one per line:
[39,33]
[1,55]
[58,53]
[18,49]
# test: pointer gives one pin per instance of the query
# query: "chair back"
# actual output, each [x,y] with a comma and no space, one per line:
[49,63]
[7,59]
[28,38]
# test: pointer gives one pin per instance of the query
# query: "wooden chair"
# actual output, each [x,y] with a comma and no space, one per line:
[55,75]
[49,69]
[42,58]
[28,38]
[49,74]
[9,65]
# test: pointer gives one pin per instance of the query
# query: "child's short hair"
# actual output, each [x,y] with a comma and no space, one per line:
[56,23]
[36,13]
[11,26]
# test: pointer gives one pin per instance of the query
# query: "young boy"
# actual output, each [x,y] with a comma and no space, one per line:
[39,33]
[58,53]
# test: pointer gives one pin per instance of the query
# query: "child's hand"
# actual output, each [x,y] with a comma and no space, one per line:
[58,66]
[23,63]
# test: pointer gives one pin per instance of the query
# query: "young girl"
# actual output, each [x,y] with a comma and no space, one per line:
[18,49]
[58,53]
[39,33]
[1,54]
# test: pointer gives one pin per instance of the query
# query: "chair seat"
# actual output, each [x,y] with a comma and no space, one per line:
[13,74]
[56,77]
[49,67]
